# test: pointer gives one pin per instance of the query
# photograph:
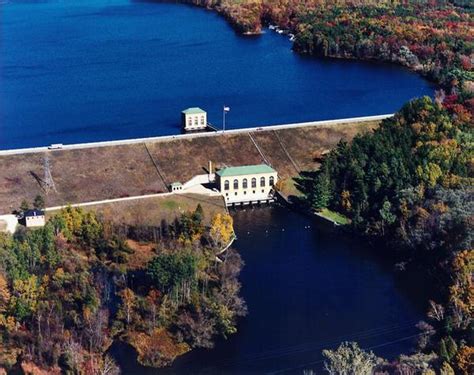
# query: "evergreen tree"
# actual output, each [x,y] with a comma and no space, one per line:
[322,192]
[38,203]
[451,348]
[198,214]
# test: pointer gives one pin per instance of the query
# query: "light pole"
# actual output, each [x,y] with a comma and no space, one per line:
[224,111]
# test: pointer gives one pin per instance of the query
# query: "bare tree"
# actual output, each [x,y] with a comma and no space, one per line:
[108,367]
[436,311]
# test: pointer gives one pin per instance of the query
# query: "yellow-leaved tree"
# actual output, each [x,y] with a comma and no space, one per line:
[222,230]
[4,293]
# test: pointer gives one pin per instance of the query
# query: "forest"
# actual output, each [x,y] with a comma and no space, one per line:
[436,42]
[70,289]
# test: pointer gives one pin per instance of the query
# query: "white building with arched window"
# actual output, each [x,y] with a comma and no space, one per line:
[247,184]
[194,119]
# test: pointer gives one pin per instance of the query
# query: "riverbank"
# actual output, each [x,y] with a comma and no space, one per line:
[289,193]
[386,183]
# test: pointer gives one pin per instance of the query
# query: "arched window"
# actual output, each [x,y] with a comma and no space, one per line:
[196,121]
[262,181]
[244,183]
[236,184]
[190,121]
[272,180]
[254,182]
[226,185]
[202,120]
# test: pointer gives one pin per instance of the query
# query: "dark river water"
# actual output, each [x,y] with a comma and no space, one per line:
[307,288]
[90,70]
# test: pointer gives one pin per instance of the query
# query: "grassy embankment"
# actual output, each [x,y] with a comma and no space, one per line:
[288,189]
[119,171]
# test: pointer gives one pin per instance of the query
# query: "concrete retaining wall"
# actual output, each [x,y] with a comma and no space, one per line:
[193,135]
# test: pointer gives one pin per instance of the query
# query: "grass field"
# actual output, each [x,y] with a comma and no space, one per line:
[287,187]
[334,216]
[151,211]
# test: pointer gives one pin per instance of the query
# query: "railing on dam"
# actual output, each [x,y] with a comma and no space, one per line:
[193,135]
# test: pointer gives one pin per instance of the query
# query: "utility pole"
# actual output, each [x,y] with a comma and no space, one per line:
[224,111]
[48,182]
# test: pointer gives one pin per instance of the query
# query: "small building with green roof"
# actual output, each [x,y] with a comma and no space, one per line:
[194,119]
[247,184]
[176,186]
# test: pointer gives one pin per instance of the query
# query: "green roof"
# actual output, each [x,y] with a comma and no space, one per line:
[193,111]
[245,169]
[176,184]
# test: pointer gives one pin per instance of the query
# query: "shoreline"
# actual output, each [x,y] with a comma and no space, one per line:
[265,20]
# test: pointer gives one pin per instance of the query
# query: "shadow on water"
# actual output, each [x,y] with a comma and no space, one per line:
[308,287]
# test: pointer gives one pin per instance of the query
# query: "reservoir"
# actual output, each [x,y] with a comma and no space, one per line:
[92,70]
[307,288]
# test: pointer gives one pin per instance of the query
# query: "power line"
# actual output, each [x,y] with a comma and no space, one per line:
[368,348]
[311,346]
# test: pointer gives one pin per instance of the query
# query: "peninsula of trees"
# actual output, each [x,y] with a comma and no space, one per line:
[70,289]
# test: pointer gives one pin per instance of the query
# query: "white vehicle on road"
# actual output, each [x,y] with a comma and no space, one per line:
[55,146]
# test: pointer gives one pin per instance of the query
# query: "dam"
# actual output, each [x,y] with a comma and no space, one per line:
[99,171]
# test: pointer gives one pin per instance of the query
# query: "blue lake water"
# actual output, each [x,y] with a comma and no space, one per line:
[76,71]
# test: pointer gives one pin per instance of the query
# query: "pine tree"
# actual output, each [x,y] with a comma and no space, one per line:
[451,348]
[198,214]
[322,192]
